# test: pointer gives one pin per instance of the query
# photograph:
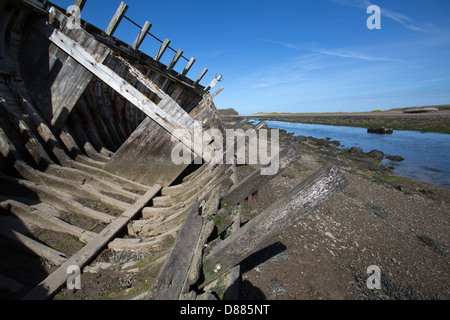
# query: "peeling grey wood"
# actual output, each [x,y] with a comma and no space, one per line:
[200,77]
[260,231]
[115,21]
[170,281]
[125,89]
[141,37]
[48,287]
[162,49]
[255,181]
[215,94]
[80,4]
[175,59]
[213,83]
[188,67]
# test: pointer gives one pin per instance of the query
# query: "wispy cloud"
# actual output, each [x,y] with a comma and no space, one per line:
[352,54]
[340,52]
[401,18]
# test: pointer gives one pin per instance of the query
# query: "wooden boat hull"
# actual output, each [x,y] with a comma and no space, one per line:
[86,132]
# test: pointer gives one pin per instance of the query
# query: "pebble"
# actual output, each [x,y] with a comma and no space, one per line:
[330,235]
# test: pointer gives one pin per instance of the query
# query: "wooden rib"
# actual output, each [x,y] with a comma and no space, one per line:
[27,244]
[45,220]
[58,199]
[56,280]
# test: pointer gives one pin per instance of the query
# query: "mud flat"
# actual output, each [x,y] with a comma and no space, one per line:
[426,122]
[397,224]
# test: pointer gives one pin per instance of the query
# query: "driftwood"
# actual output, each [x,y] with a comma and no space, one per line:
[257,233]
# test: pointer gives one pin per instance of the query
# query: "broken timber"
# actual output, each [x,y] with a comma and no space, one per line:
[256,180]
[257,233]
[50,285]
[122,87]
[174,272]
[79,111]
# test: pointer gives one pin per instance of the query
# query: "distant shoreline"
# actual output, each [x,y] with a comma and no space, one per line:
[423,122]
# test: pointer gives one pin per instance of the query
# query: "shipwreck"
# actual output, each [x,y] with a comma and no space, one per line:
[87,127]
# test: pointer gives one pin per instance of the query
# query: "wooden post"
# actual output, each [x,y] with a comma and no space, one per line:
[118,16]
[140,38]
[215,94]
[188,67]
[260,231]
[80,4]
[200,77]
[162,49]
[175,60]
[213,83]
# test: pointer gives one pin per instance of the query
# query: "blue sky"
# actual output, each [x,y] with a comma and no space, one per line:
[302,55]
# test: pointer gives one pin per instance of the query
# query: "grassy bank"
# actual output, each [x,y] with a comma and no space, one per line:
[424,122]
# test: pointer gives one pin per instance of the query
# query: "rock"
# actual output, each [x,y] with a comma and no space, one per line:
[97,267]
[376,154]
[381,130]
[395,158]
[330,235]
[276,289]
[335,143]
[355,150]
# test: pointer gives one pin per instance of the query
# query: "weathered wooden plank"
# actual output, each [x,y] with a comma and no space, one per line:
[27,244]
[41,127]
[162,49]
[175,59]
[115,21]
[80,4]
[258,233]
[188,67]
[45,220]
[141,37]
[48,287]
[215,94]
[256,180]
[200,77]
[124,88]
[173,274]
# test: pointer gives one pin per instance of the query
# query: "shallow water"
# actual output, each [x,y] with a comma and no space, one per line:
[427,155]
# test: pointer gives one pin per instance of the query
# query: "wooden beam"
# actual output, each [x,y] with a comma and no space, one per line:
[48,287]
[162,49]
[188,67]
[175,60]
[115,21]
[213,83]
[215,94]
[200,77]
[124,88]
[141,37]
[80,4]
[27,244]
[255,181]
[260,231]
[172,277]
